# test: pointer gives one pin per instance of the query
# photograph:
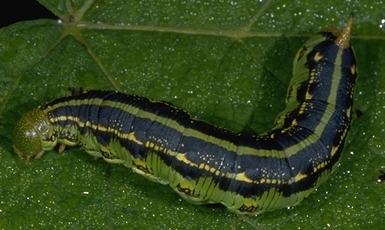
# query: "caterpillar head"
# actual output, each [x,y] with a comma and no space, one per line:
[33,134]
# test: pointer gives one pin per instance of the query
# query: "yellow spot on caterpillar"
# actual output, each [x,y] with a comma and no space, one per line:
[353,69]
[64,118]
[267,181]
[207,168]
[294,122]
[81,124]
[150,144]
[303,108]
[215,171]
[299,176]
[102,128]
[348,111]
[86,124]
[320,166]
[308,95]
[131,137]
[318,56]
[182,157]
[242,177]
[334,150]
[275,181]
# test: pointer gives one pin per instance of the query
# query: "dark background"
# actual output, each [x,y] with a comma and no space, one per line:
[12,11]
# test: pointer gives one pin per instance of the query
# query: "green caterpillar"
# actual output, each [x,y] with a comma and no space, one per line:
[205,164]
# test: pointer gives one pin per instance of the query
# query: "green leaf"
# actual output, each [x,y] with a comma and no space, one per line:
[227,62]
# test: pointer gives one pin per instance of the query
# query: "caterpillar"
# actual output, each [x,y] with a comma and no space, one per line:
[249,174]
